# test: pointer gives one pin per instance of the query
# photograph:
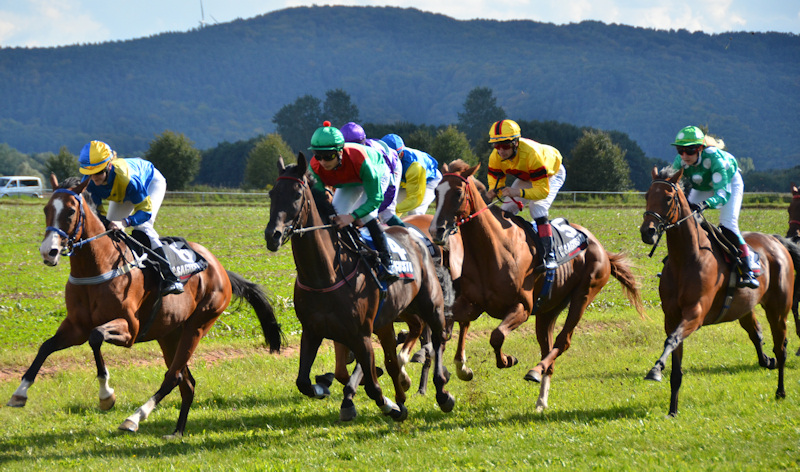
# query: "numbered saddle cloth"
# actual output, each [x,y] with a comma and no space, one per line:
[568,241]
[400,259]
[184,261]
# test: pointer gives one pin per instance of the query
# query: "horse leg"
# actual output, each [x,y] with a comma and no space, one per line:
[397,372]
[341,353]
[673,341]
[115,332]
[428,349]
[690,319]
[67,335]
[753,328]
[777,324]
[415,329]
[347,411]
[545,324]
[309,345]
[444,399]
[796,319]
[462,371]
[513,319]
[366,358]
[544,392]
[675,379]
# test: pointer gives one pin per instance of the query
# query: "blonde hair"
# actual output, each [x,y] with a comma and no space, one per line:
[710,141]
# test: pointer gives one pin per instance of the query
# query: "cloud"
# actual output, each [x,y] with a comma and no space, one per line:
[41,22]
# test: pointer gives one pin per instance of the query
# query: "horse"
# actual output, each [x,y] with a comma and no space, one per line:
[794,235]
[499,277]
[109,298]
[337,296]
[698,284]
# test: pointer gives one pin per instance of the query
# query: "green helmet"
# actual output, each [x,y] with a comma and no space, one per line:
[689,136]
[327,138]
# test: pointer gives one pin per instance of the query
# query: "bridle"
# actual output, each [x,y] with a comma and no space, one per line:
[795,222]
[470,205]
[72,239]
[663,224]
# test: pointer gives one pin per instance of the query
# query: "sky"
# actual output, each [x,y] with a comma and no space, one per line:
[47,23]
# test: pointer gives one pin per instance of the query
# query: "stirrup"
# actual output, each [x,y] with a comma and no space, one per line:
[172,287]
[386,272]
[748,280]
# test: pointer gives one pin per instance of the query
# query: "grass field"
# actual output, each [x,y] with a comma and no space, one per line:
[248,415]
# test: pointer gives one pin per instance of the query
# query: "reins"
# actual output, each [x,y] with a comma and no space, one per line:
[72,242]
[662,224]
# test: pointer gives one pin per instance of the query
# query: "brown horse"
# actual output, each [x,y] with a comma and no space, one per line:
[337,297]
[110,299]
[498,276]
[794,235]
[698,288]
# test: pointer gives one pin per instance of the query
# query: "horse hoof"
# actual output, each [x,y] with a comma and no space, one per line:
[780,394]
[108,403]
[540,405]
[447,403]
[464,374]
[325,380]
[348,413]
[128,426]
[533,375]
[654,375]
[173,436]
[400,414]
[321,392]
[17,401]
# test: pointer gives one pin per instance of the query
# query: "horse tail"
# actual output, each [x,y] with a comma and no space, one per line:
[621,270]
[252,293]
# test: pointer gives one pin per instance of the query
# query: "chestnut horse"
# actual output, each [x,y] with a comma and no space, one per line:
[498,276]
[794,235]
[698,288]
[337,297]
[110,299]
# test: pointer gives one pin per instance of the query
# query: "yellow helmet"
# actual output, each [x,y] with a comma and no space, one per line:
[504,130]
[95,157]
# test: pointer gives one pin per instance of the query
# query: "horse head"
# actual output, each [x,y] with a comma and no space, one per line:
[455,199]
[65,218]
[666,204]
[287,201]
[794,214]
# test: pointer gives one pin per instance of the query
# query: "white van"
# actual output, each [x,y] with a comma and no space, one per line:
[20,185]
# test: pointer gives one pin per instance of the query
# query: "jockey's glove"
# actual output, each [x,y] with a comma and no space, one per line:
[698,207]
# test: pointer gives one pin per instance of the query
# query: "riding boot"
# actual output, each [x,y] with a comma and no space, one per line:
[747,267]
[387,274]
[171,285]
[395,221]
[546,236]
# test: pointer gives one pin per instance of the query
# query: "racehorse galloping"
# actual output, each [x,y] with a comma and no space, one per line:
[794,235]
[698,288]
[108,299]
[337,297]
[498,276]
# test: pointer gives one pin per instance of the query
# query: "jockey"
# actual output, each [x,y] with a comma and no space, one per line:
[715,183]
[539,176]
[354,133]
[360,177]
[420,176]
[135,190]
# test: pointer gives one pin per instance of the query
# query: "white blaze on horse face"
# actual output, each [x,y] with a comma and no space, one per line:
[51,239]
[442,190]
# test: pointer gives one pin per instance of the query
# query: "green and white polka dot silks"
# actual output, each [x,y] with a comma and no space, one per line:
[713,171]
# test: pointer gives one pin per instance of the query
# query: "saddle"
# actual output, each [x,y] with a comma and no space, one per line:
[183,260]
[730,249]
[568,241]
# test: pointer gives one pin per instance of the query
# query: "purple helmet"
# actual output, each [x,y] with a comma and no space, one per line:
[353,133]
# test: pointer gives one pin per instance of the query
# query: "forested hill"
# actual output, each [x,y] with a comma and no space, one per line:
[225,82]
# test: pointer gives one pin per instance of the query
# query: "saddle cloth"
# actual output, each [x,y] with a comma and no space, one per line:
[400,259]
[568,241]
[184,260]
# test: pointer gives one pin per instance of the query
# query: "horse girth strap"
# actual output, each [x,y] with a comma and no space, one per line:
[333,287]
[105,277]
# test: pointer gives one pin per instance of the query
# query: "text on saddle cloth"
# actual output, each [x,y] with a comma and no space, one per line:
[400,259]
[568,241]
[184,260]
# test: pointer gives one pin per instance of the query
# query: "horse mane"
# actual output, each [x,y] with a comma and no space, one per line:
[323,202]
[70,182]
[666,173]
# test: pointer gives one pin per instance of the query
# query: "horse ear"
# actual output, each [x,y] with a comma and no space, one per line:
[675,178]
[53,181]
[472,170]
[444,168]
[654,173]
[301,162]
[794,189]
[81,186]
[281,165]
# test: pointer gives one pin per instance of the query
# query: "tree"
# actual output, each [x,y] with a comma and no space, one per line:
[297,121]
[338,109]
[451,144]
[598,164]
[175,157]
[10,159]
[262,161]
[63,165]
[480,111]
[421,139]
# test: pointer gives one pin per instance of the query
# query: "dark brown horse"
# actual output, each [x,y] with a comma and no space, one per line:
[794,235]
[498,276]
[337,297]
[109,299]
[698,288]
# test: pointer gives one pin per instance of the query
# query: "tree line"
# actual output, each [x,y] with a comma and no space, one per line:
[596,160]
